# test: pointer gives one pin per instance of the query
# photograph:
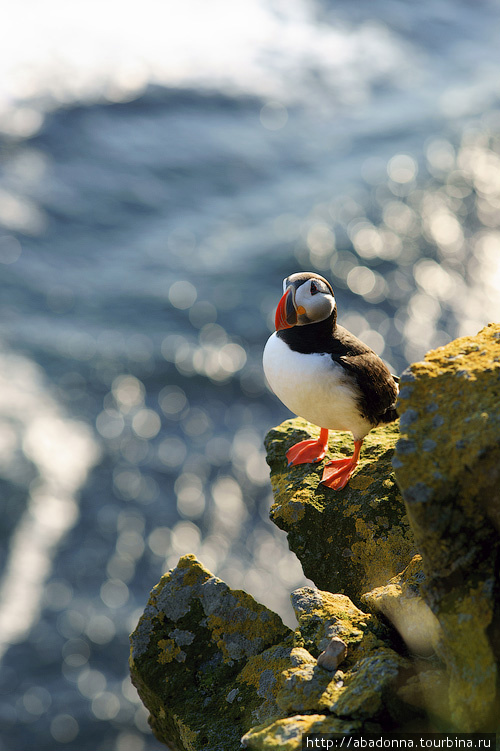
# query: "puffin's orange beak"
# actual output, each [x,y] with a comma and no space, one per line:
[286,315]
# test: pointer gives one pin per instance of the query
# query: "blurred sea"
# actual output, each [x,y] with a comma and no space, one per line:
[162,169]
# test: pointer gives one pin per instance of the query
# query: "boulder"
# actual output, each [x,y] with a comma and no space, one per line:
[347,541]
[447,463]
[206,660]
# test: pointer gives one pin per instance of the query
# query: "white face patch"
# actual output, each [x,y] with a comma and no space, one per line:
[316,299]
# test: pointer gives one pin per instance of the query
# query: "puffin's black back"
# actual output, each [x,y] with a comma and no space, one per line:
[377,390]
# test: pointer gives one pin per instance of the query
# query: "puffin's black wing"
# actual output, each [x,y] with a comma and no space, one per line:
[377,389]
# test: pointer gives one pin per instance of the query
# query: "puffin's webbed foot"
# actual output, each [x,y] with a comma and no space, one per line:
[336,473]
[308,451]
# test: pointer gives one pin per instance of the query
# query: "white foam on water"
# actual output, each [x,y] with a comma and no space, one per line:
[75,51]
[63,452]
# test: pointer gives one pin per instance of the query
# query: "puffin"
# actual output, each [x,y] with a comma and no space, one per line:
[325,374]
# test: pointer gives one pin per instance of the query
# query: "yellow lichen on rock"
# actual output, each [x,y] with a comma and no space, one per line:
[323,615]
[187,736]
[169,650]
[286,734]
[249,624]
[379,555]
[371,671]
[274,661]
[306,686]
[368,685]
[264,674]
[451,399]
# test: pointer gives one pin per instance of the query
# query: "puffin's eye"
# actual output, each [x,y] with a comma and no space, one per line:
[314,288]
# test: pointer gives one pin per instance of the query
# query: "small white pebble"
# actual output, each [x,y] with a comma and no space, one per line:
[333,655]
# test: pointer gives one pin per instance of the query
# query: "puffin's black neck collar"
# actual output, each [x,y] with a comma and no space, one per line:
[315,337]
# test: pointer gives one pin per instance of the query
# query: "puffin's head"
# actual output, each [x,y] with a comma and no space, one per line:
[307,298]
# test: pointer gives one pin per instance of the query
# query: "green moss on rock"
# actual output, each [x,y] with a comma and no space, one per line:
[347,541]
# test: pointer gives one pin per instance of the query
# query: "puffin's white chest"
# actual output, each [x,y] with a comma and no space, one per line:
[313,387]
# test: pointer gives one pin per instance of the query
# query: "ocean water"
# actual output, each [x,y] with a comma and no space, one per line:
[162,170]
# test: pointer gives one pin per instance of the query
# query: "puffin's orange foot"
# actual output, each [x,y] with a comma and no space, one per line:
[337,477]
[304,452]
[336,473]
[308,451]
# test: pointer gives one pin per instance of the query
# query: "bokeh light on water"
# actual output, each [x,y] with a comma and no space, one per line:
[144,234]
[422,247]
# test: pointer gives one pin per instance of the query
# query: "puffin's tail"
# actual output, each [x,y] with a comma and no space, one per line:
[391,413]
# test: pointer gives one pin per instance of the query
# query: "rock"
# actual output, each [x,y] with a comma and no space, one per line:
[447,464]
[366,691]
[213,665]
[333,655]
[401,602]
[286,734]
[347,541]
[206,660]
[306,686]
[323,616]
[373,671]
[427,691]
[371,688]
